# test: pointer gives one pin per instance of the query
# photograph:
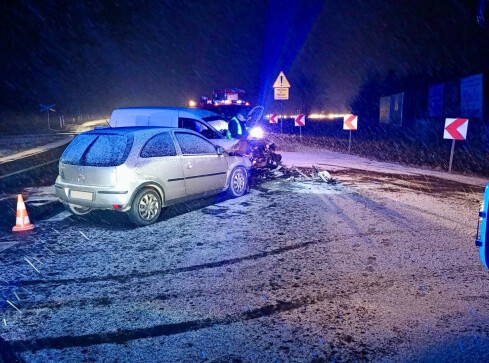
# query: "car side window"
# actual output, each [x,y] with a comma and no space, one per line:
[197,126]
[187,123]
[193,144]
[159,145]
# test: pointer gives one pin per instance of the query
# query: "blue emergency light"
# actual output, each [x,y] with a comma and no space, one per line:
[481,238]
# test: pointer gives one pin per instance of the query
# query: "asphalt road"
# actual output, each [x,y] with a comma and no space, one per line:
[380,266]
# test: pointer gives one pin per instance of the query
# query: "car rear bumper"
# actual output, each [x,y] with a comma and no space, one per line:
[91,196]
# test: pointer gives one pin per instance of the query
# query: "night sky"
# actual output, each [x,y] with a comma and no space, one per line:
[95,56]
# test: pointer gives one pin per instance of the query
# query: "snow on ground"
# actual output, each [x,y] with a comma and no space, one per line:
[332,161]
[379,266]
[88,125]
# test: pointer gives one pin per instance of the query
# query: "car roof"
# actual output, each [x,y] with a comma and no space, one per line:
[196,111]
[129,130]
[137,131]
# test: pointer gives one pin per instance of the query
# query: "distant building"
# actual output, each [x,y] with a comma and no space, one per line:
[463,97]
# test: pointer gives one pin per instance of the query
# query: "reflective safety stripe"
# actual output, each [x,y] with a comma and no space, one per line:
[26,220]
[240,131]
[18,221]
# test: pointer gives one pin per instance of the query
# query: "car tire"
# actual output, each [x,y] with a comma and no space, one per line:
[145,207]
[238,182]
[77,210]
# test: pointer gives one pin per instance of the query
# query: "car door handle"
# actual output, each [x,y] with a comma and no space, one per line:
[189,165]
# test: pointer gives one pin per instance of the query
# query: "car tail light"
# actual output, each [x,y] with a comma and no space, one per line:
[116,206]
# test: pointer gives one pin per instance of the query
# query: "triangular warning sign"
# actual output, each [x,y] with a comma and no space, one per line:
[281,81]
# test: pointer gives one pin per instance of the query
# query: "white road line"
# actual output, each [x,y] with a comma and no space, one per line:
[31,168]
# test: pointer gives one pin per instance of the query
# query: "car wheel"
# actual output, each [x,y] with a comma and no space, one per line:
[238,182]
[77,209]
[145,208]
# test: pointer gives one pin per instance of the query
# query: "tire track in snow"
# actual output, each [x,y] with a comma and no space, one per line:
[123,336]
[209,265]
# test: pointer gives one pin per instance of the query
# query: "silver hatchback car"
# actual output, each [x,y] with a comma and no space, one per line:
[139,170]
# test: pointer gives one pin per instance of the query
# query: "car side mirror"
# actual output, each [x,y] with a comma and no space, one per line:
[219,150]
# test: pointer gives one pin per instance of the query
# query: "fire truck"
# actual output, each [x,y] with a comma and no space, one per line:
[225,102]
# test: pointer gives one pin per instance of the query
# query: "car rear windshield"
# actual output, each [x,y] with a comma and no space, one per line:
[98,150]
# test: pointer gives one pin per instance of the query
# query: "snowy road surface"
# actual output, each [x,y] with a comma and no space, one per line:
[381,265]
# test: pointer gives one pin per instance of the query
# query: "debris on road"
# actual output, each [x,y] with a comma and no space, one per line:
[293,174]
[301,173]
[323,174]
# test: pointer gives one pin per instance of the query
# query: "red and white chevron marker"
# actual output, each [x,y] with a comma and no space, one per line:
[300,120]
[273,118]
[456,128]
[350,122]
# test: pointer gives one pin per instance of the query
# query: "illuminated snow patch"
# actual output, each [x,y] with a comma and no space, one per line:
[58,217]
[40,195]
[305,187]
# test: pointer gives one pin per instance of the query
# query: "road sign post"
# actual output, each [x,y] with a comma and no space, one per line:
[455,129]
[350,123]
[280,93]
[349,143]
[281,116]
[451,156]
[47,109]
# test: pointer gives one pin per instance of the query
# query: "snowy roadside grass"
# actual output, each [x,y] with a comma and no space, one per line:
[10,145]
[466,161]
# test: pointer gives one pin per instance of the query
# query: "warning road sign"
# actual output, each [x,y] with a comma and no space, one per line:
[300,120]
[350,122]
[456,128]
[281,81]
[281,93]
[273,118]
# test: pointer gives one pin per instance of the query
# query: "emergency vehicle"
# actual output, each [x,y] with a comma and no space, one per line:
[481,238]
[226,102]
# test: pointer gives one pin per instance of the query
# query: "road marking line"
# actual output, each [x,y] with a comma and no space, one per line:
[28,169]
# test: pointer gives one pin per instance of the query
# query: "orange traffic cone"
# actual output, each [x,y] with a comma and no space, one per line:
[22,222]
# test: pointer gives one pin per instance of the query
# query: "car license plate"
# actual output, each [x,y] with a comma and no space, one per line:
[81,195]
